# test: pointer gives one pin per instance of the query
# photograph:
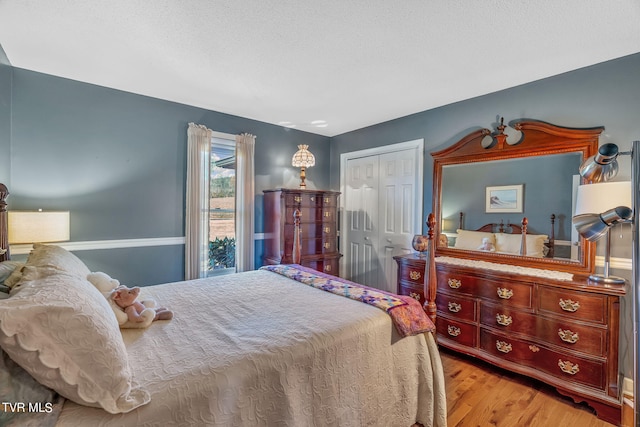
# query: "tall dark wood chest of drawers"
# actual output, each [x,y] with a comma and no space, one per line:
[318,231]
[562,332]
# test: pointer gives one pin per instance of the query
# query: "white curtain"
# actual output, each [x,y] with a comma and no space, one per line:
[197,203]
[245,147]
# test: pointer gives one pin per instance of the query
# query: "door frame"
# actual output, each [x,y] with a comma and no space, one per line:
[416,144]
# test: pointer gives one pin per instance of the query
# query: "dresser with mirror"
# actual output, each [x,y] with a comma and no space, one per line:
[512,276]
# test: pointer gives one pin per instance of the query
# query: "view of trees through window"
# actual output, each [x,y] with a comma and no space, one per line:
[222,236]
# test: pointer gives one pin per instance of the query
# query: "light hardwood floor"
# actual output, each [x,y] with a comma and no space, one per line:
[479,394]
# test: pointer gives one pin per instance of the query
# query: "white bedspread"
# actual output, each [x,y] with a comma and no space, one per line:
[258,349]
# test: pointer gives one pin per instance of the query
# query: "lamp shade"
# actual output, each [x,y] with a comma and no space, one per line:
[601,167]
[303,157]
[597,198]
[38,226]
[593,226]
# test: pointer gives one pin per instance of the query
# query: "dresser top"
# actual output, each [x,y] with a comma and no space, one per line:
[577,282]
[300,191]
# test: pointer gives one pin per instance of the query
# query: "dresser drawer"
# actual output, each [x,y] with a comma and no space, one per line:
[574,305]
[311,214]
[319,246]
[564,365]
[578,337]
[409,289]
[507,293]
[458,283]
[313,246]
[325,265]
[413,274]
[457,306]
[508,319]
[311,230]
[462,333]
[298,200]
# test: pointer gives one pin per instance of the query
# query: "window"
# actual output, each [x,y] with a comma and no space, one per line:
[232,179]
[222,202]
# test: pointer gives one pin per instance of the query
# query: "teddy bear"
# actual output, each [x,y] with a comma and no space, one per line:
[144,312]
[486,245]
[132,313]
[103,282]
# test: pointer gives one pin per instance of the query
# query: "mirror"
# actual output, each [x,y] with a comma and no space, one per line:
[486,185]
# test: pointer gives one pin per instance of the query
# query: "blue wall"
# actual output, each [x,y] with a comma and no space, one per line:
[117,161]
[5,117]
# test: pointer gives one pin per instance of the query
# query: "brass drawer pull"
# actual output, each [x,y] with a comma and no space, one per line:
[454,307]
[454,283]
[326,200]
[327,214]
[414,275]
[568,336]
[327,230]
[327,245]
[503,319]
[568,367]
[568,305]
[327,268]
[505,293]
[415,295]
[297,199]
[453,331]
[534,348]
[503,347]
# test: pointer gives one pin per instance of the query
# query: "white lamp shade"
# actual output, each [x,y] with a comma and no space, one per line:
[303,157]
[38,226]
[600,197]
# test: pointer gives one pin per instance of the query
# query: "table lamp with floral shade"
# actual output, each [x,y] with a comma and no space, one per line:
[303,159]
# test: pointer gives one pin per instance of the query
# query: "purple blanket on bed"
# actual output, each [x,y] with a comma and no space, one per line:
[406,313]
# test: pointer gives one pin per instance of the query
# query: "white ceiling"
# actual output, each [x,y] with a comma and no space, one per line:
[350,63]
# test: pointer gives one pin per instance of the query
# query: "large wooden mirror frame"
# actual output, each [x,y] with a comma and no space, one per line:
[537,139]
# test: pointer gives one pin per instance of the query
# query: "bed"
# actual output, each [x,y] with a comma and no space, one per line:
[272,347]
[507,238]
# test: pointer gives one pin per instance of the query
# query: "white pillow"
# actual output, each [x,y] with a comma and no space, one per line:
[14,277]
[7,267]
[510,243]
[50,259]
[472,240]
[61,330]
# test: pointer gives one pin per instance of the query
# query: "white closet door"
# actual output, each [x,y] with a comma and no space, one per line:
[382,198]
[361,218]
[396,212]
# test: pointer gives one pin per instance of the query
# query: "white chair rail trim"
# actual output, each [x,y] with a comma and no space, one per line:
[24,249]
[105,244]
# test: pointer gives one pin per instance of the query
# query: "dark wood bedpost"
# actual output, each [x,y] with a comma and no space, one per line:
[296,251]
[4,234]
[430,284]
